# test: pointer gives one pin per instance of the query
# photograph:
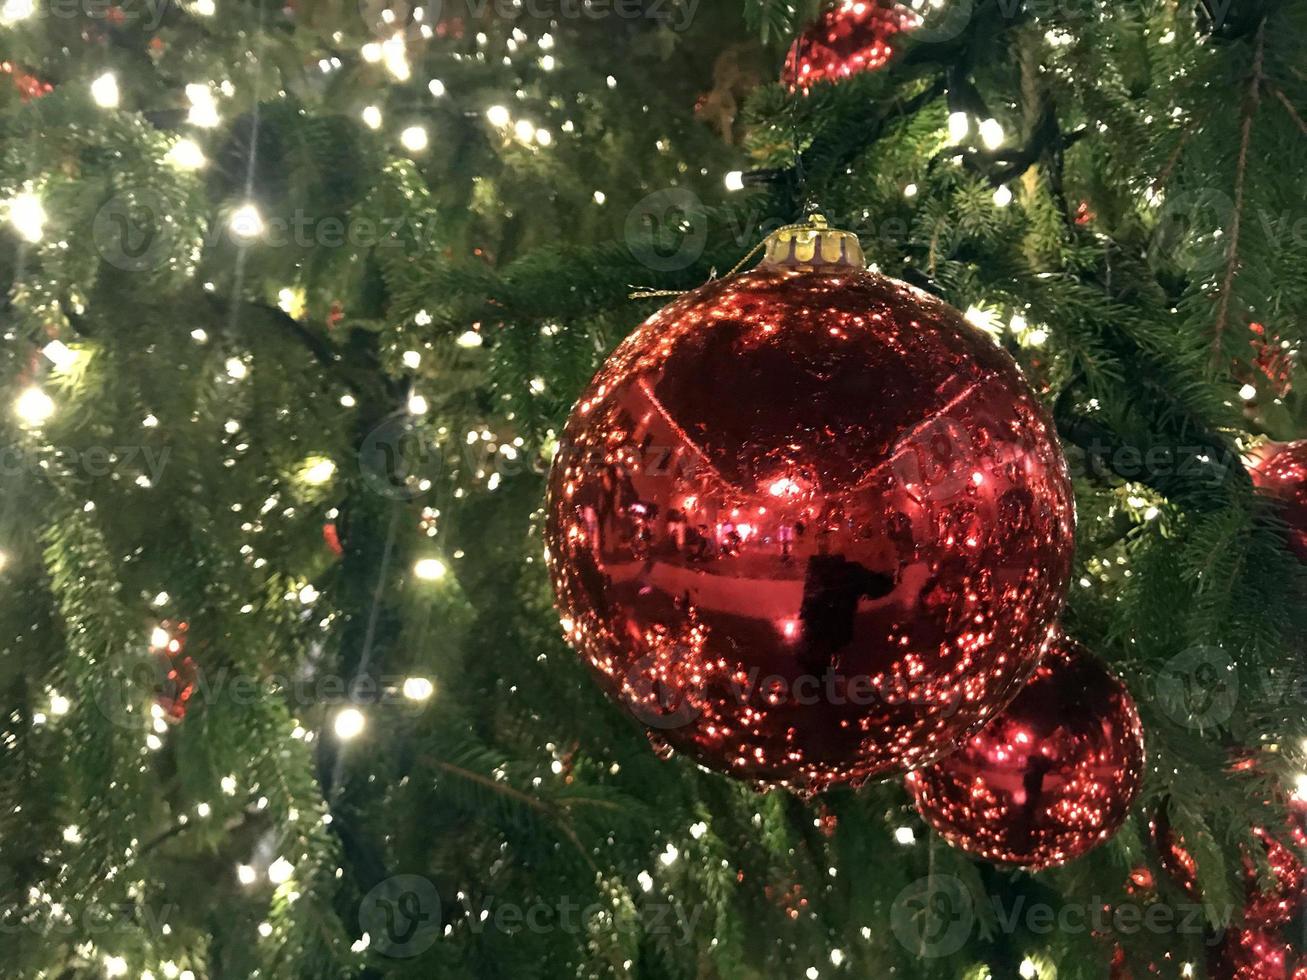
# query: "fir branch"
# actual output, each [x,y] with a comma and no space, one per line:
[1250,104]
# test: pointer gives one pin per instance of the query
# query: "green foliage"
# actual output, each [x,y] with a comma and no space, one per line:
[1155,166]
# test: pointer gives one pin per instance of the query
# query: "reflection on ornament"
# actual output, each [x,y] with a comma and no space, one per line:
[1051,777]
[809,525]
[852,36]
[1280,471]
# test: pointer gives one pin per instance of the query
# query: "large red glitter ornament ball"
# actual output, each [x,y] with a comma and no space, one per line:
[809,525]
[1051,777]
[851,36]
[1280,471]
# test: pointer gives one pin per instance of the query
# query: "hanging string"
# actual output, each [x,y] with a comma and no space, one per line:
[654,293]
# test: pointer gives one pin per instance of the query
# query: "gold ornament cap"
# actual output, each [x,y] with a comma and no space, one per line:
[813,245]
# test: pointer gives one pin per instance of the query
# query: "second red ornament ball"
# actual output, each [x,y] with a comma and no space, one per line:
[809,525]
[1280,472]
[1050,778]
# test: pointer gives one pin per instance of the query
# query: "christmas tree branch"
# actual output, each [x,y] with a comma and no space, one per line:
[1250,104]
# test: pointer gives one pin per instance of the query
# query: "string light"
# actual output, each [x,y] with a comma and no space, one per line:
[958,126]
[469,338]
[246,222]
[372,117]
[498,116]
[1002,196]
[414,139]
[104,90]
[34,407]
[418,688]
[280,871]
[349,724]
[319,471]
[204,110]
[735,180]
[991,134]
[185,154]
[436,87]
[27,216]
[15,10]
[430,569]
[417,405]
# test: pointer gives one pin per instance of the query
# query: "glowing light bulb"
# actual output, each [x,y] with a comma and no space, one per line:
[394,54]
[436,87]
[204,111]
[319,472]
[280,871]
[372,117]
[349,724]
[905,836]
[414,139]
[910,190]
[544,137]
[1248,393]
[991,134]
[34,407]
[236,368]
[469,338]
[959,124]
[735,180]
[59,704]
[27,216]
[246,222]
[1028,970]
[186,155]
[15,10]
[417,405]
[418,688]
[104,90]
[430,569]
[1002,196]
[499,116]
[524,130]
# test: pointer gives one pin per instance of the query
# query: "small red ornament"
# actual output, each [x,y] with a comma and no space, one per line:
[179,671]
[1173,856]
[1273,357]
[1051,777]
[852,36]
[808,524]
[331,535]
[1280,471]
